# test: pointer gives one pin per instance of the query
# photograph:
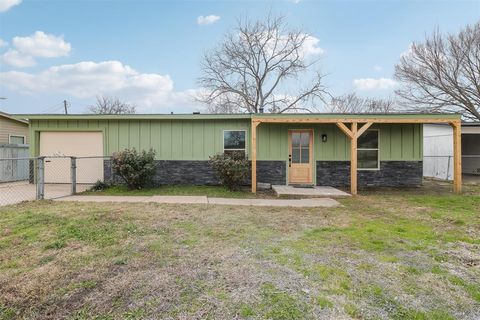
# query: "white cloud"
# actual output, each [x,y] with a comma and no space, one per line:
[39,44]
[311,48]
[88,79]
[42,45]
[374,84]
[377,68]
[17,59]
[206,20]
[3,43]
[310,45]
[6,5]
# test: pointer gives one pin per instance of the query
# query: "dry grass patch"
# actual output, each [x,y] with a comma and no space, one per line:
[396,255]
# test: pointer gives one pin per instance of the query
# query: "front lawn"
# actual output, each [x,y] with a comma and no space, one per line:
[181,190]
[391,255]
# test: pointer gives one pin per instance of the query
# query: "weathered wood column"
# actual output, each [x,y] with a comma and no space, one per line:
[353,160]
[253,147]
[353,134]
[457,156]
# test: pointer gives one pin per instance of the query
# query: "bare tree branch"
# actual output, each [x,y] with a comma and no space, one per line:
[247,71]
[111,105]
[443,74]
[351,103]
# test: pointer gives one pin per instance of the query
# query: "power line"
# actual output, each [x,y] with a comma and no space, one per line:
[53,108]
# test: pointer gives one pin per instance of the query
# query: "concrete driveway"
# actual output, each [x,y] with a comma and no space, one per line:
[15,192]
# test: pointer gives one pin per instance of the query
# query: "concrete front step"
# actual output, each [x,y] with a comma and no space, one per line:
[313,192]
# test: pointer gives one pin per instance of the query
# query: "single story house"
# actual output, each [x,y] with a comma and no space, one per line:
[13,130]
[13,144]
[438,150]
[297,149]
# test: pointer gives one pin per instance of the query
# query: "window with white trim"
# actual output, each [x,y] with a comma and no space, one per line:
[234,141]
[13,139]
[368,150]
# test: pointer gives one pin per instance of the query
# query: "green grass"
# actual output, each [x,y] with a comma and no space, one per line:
[179,190]
[382,255]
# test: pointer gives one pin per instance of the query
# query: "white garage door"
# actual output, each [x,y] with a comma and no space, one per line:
[77,144]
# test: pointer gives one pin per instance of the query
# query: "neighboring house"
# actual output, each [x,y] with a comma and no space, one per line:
[13,145]
[12,130]
[298,149]
[438,150]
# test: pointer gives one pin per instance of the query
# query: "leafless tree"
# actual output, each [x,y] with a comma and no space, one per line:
[351,103]
[111,105]
[443,73]
[249,71]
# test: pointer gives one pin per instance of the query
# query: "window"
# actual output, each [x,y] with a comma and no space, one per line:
[234,141]
[367,153]
[16,139]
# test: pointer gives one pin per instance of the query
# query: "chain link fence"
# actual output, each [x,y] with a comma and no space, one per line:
[17,180]
[26,179]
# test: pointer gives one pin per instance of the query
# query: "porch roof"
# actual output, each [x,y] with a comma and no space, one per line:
[357,117]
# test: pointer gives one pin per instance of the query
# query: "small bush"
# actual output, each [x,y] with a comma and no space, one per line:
[231,168]
[99,186]
[135,168]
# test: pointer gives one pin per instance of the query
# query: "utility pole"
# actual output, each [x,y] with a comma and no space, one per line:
[65,105]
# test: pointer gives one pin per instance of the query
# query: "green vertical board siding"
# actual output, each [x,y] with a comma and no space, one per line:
[113,135]
[155,139]
[165,151]
[123,132]
[145,136]
[187,141]
[209,138]
[385,141]
[134,134]
[198,139]
[177,138]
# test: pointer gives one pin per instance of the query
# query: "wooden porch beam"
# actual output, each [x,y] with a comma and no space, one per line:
[457,156]
[364,128]
[351,120]
[254,155]
[353,160]
[345,130]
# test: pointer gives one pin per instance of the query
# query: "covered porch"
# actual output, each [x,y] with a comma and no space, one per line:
[353,126]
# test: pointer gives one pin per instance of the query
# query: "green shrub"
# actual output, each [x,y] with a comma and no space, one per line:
[231,168]
[99,186]
[135,168]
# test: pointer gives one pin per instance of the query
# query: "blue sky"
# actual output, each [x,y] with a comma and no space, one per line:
[149,52]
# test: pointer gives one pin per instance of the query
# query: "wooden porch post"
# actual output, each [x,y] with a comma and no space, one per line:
[457,156]
[353,160]
[254,155]
[353,135]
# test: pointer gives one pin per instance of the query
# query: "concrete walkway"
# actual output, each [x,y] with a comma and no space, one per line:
[307,203]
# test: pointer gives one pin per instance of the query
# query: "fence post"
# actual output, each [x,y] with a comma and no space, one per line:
[40,178]
[73,174]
